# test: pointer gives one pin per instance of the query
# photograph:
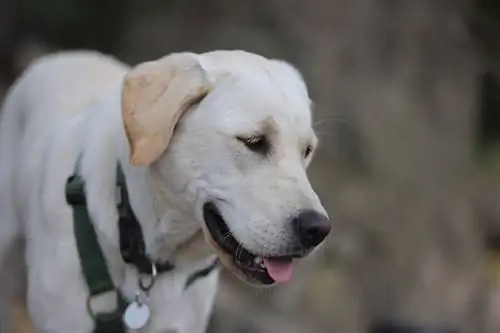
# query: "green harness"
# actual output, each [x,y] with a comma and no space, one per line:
[92,260]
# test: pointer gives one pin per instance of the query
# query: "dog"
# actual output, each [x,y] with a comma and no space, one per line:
[214,150]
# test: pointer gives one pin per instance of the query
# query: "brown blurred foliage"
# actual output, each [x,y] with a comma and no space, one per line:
[406,109]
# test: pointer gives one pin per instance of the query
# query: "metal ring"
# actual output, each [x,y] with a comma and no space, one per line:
[152,278]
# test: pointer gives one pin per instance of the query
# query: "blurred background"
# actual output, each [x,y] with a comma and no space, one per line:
[407,105]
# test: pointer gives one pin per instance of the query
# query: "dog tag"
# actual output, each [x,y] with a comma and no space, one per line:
[136,315]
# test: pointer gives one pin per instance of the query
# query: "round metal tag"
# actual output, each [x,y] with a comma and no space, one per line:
[136,316]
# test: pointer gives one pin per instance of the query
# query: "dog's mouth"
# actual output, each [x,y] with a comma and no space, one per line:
[253,268]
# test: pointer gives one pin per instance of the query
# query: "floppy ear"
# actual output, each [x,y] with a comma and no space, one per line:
[154,96]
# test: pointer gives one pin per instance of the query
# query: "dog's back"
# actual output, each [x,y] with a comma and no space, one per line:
[51,89]
[54,87]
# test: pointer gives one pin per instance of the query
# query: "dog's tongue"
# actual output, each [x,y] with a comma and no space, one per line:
[279,269]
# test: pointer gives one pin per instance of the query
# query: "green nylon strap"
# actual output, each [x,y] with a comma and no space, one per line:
[92,260]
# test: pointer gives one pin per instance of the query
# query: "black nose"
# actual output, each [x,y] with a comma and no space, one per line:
[311,228]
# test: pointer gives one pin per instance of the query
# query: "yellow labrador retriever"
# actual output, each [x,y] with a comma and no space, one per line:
[125,187]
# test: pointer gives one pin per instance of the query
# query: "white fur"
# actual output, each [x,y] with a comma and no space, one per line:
[68,104]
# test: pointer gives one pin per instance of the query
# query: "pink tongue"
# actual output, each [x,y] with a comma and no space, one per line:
[279,269]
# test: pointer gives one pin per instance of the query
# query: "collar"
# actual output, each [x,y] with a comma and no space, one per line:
[132,247]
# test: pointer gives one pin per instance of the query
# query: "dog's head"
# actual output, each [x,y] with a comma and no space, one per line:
[238,157]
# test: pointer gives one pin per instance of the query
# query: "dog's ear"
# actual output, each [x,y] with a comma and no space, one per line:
[154,96]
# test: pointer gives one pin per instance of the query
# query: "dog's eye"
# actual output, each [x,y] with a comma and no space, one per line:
[258,143]
[308,151]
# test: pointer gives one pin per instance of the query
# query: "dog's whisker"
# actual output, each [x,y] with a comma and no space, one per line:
[225,237]
[332,119]
[238,254]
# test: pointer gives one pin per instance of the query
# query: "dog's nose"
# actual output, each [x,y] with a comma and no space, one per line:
[311,228]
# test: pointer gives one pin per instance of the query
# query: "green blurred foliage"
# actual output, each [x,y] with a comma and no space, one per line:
[486,25]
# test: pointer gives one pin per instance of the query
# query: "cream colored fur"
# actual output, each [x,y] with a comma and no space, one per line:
[69,105]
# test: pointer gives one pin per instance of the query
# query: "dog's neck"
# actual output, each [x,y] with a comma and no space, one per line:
[170,230]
